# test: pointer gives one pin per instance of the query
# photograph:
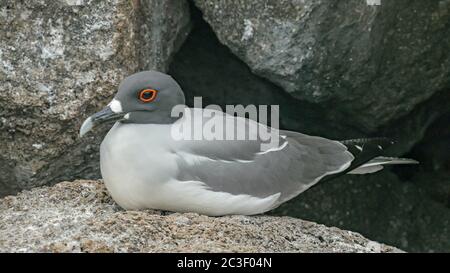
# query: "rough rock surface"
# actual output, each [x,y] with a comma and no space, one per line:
[381,207]
[80,216]
[204,67]
[372,63]
[59,62]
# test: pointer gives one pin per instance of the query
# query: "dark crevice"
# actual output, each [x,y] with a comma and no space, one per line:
[432,176]
[204,67]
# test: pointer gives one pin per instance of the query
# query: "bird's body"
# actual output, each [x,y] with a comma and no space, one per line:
[148,163]
[143,166]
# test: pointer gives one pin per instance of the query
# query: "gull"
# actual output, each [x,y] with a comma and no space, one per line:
[145,165]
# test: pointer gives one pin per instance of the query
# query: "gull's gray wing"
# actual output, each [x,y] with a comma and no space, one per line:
[242,167]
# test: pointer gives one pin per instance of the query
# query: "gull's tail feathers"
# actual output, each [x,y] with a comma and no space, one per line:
[368,153]
[377,163]
[369,156]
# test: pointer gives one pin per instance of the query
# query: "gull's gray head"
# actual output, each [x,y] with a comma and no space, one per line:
[144,97]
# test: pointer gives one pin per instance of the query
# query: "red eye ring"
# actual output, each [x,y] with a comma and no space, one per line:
[147,95]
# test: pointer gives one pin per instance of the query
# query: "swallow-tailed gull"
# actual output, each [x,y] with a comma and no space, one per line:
[145,166]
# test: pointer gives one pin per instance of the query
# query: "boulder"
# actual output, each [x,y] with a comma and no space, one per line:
[80,216]
[406,214]
[60,61]
[204,67]
[371,63]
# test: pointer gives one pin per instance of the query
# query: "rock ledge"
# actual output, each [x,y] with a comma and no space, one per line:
[80,216]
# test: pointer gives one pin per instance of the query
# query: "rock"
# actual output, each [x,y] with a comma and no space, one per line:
[411,129]
[381,207]
[371,63]
[204,67]
[61,61]
[79,216]
[221,78]
[433,176]
[433,148]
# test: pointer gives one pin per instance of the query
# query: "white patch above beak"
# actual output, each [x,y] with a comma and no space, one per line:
[115,106]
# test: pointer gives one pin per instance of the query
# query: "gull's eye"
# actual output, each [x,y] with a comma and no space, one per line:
[147,95]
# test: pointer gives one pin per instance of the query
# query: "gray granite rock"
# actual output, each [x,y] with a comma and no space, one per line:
[372,63]
[80,216]
[412,215]
[204,67]
[59,62]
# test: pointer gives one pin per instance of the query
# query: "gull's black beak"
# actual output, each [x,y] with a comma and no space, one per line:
[105,115]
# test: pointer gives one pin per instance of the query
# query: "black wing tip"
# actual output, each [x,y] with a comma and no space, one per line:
[380,144]
[362,141]
[364,150]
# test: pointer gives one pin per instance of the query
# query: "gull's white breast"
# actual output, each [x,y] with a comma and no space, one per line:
[135,163]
